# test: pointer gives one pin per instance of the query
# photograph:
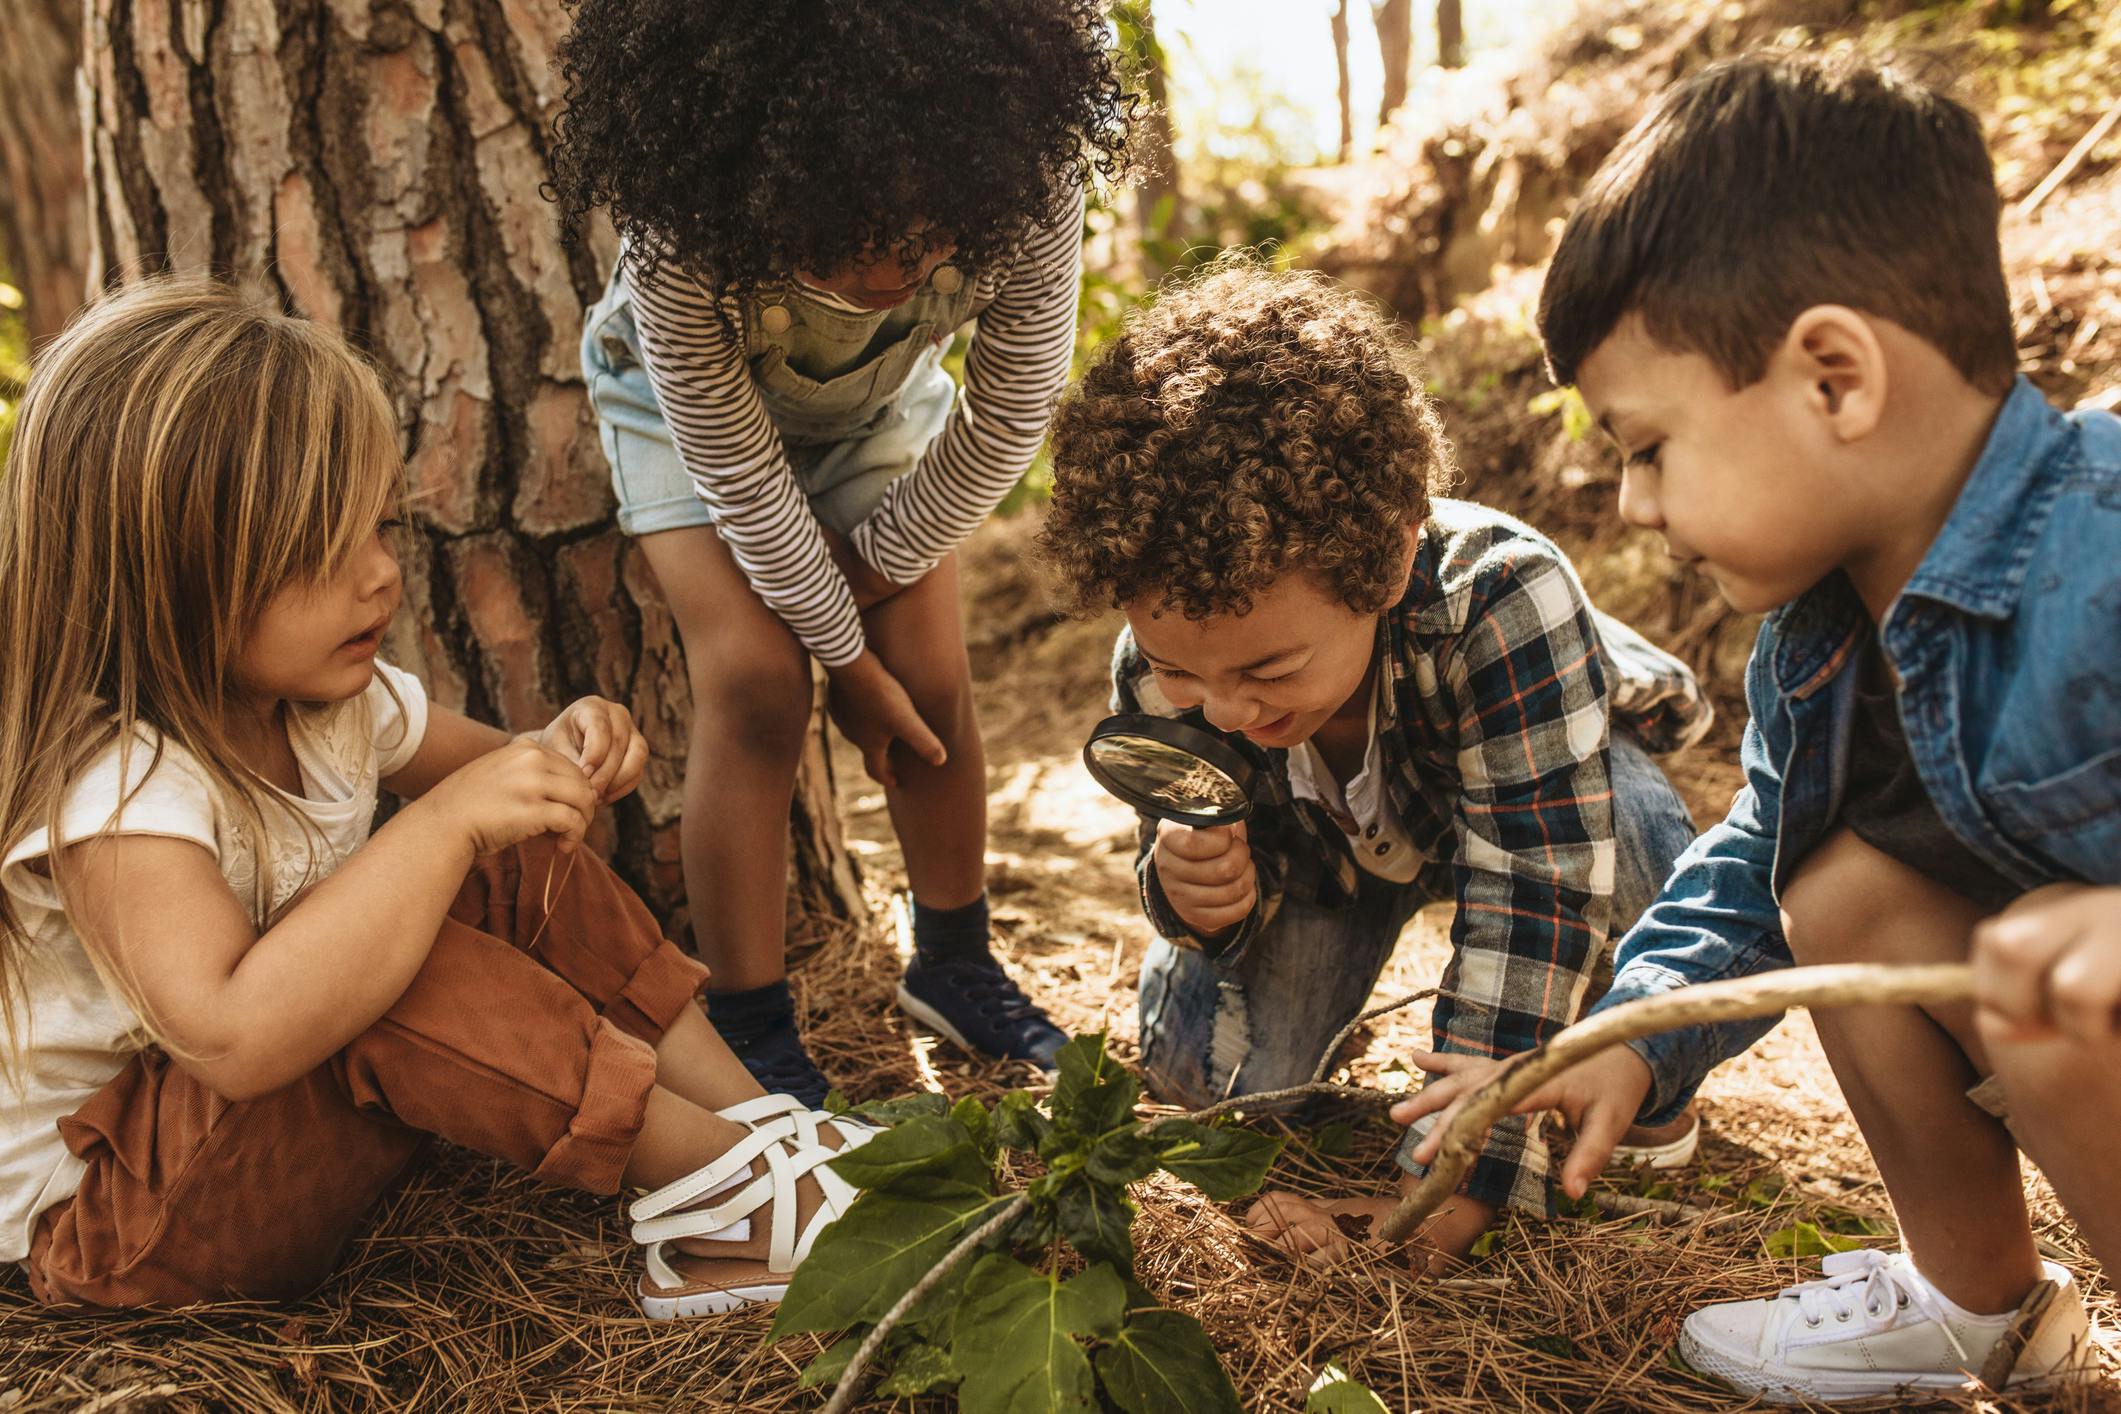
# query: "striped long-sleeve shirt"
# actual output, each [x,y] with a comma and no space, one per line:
[1018,361]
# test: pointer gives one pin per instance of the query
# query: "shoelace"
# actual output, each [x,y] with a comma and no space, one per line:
[986,987]
[1874,1282]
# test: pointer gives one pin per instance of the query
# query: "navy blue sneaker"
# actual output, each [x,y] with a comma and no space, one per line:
[973,1002]
[776,1058]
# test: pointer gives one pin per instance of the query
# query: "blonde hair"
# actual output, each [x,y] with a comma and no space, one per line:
[180,455]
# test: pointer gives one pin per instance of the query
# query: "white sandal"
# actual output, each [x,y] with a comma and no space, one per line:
[789,1140]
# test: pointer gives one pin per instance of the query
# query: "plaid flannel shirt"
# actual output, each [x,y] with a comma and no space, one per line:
[1503,686]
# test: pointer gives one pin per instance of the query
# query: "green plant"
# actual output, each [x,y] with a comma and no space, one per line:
[1014,1325]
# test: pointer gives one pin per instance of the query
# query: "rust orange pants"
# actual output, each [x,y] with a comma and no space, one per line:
[540,1057]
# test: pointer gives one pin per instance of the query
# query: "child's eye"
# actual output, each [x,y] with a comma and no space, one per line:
[1646,456]
[390,523]
[1168,672]
[1278,677]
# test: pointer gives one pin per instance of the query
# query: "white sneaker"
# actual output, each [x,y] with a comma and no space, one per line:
[1874,1326]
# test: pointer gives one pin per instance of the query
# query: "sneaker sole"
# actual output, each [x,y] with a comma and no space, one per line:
[1710,1364]
[713,1302]
[935,1021]
[1677,1154]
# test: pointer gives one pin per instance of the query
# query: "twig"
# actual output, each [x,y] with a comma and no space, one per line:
[1325,1062]
[1361,1094]
[2071,160]
[849,1385]
[1847,984]
[1628,1205]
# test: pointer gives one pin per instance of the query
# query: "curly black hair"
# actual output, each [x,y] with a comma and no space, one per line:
[1248,423]
[744,140]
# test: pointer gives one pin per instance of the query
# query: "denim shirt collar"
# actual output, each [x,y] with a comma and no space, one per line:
[1976,564]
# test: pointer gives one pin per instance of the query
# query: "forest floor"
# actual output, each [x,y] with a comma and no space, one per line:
[477,1290]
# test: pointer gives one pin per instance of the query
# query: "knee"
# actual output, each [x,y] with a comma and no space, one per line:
[760,698]
[1849,903]
[941,691]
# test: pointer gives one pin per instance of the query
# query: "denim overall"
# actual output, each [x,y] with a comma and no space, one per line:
[856,397]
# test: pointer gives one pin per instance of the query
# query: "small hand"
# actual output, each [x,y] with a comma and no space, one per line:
[872,710]
[1600,1098]
[2050,965]
[1322,1232]
[1207,875]
[512,794]
[600,737]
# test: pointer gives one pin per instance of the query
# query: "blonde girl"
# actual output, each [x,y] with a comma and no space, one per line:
[233,1017]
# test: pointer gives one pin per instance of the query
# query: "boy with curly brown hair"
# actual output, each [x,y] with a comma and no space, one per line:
[1436,710]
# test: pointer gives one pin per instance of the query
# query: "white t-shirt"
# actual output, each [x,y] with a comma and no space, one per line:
[80,1032]
[1376,835]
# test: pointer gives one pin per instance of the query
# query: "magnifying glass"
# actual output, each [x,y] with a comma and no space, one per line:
[1170,769]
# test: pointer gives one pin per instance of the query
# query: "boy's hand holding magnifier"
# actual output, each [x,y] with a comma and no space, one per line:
[1199,789]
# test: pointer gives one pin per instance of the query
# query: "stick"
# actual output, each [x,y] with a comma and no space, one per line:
[1846,984]
[1629,1206]
[849,1385]
[2070,162]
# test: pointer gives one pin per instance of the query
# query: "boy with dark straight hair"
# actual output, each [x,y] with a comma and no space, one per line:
[1783,297]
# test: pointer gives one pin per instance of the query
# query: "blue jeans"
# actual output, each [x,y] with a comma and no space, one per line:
[1207,1033]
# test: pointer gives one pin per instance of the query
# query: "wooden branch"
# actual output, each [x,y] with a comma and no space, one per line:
[1847,984]
[849,1385]
[2070,162]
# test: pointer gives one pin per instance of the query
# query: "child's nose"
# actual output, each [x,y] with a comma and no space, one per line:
[1228,712]
[1638,499]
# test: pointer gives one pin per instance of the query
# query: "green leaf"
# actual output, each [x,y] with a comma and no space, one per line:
[1764,1191]
[1123,1156]
[836,1102]
[1016,1340]
[902,1107]
[1225,1164]
[833,1360]
[1162,1362]
[920,1370]
[972,1117]
[1336,1392]
[926,1146]
[1098,1221]
[1094,1093]
[1334,1141]
[1017,1121]
[1803,1239]
[1487,1244]
[870,1256]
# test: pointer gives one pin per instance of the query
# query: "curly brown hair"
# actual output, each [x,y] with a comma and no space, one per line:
[1246,423]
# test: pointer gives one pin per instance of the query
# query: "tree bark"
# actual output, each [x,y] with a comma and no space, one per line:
[1395,43]
[1158,197]
[1345,87]
[1450,34]
[43,199]
[375,165]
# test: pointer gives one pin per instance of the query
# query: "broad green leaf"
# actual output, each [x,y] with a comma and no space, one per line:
[921,1368]
[831,1361]
[870,1256]
[1335,1392]
[1123,1156]
[1094,1093]
[1017,1121]
[1162,1362]
[1487,1244]
[1765,1191]
[1803,1239]
[1098,1221]
[1334,1141]
[1223,1163]
[1017,1337]
[972,1117]
[902,1107]
[925,1146]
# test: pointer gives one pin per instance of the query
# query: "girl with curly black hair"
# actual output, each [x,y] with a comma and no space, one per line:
[812,197]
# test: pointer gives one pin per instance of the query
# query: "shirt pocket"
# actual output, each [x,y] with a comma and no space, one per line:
[2073,818]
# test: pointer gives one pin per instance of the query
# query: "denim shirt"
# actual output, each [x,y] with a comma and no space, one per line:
[2007,641]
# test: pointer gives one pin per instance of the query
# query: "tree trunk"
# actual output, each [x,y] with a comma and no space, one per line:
[1395,43]
[1450,34]
[43,200]
[375,165]
[1158,198]
[1346,86]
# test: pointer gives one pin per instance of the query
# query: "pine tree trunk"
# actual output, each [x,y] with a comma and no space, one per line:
[43,207]
[1450,34]
[1345,89]
[1395,44]
[375,165]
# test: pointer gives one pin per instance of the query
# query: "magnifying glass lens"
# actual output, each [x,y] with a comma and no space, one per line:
[1170,769]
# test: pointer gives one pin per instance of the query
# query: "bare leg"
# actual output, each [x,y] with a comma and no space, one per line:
[940,812]
[694,1063]
[2066,1100]
[677,1137]
[1950,1168]
[750,711]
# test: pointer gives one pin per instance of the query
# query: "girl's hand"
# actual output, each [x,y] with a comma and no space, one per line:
[600,737]
[864,581]
[872,710]
[2050,965]
[1207,875]
[512,794]
[1600,1098]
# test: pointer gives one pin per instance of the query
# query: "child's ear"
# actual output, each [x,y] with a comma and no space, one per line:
[1412,533]
[1835,363]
